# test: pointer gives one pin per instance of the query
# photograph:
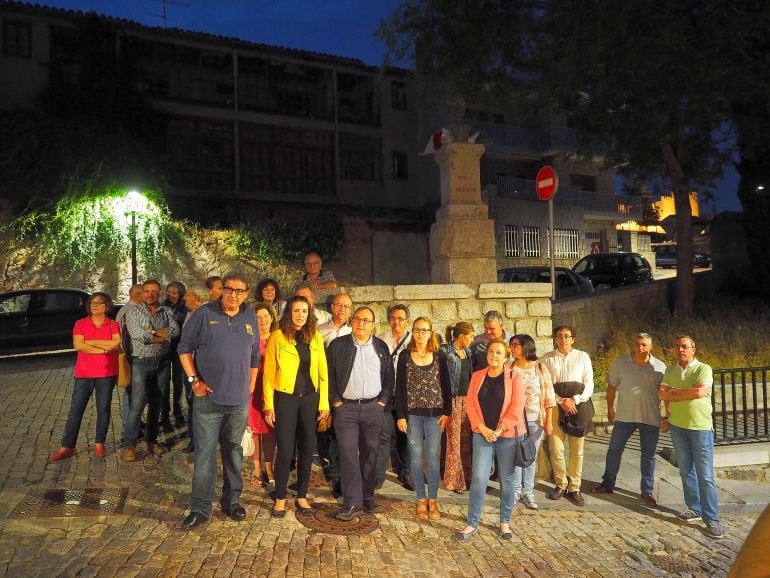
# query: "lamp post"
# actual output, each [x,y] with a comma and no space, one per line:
[133,201]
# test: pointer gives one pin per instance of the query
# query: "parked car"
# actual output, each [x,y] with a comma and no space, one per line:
[606,270]
[41,319]
[665,256]
[567,282]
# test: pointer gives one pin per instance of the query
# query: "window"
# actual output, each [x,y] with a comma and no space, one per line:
[398,95]
[582,182]
[200,153]
[400,172]
[511,241]
[530,237]
[15,304]
[360,157]
[17,38]
[566,241]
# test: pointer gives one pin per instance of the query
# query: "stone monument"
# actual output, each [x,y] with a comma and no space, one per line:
[462,240]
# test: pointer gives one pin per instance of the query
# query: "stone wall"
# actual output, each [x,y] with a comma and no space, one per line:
[526,307]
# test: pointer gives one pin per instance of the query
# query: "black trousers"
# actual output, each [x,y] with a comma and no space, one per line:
[358,428]
[295,423]
[399,459]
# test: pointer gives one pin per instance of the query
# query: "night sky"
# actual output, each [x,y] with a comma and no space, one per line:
[337,27]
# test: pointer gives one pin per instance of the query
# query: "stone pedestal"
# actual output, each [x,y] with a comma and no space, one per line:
[462,240]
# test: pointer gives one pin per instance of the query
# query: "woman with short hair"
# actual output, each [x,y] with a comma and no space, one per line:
[269,292]
[539,397]
[96,338]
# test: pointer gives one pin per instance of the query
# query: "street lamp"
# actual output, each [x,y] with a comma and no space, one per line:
[135,201]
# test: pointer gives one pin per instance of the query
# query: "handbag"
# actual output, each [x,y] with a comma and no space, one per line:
[247,443]
[580,423]
[526,451]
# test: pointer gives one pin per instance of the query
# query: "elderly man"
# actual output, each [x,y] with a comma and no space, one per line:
[337,326]
[151,327]
[397,339]
[493,329]
[196,295]
[685,391]
[303,289]
[315,275]
[636,378]
[219,351]
[361,382]
[567,364]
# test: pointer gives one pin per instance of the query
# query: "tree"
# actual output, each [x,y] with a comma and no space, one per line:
[645,83]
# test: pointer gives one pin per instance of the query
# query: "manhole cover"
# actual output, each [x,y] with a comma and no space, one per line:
[59,503]
[322,519]
[673,564]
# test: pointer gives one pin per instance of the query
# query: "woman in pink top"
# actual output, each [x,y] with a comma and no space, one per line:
[495,407]
[96,338]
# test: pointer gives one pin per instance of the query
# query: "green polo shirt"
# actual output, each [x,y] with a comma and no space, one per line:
[690,413]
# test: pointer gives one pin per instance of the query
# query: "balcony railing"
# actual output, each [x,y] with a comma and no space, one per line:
[516,139]
[607,204]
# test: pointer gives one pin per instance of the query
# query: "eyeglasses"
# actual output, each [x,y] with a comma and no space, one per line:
[515,343]
[562,336]
[423,331]
[231,290]
[361,321]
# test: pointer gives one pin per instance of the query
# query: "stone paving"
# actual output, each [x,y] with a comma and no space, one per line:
[609,537]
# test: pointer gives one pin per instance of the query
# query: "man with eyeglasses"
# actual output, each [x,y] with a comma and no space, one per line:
[361,382]
[315,275]
[151,327]
[636,378]
[397,339]
[337,326]
[219,352]
[686,394]
[567,364]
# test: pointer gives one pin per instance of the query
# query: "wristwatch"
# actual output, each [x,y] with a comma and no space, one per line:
[193,379]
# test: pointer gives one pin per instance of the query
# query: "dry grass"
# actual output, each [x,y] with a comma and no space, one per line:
[728,334]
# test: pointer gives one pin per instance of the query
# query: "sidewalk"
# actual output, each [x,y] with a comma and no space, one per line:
[613,535]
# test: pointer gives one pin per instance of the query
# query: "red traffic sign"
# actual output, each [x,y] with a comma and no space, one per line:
[546,183]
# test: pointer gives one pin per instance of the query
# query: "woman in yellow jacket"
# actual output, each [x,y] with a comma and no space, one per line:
[295,390]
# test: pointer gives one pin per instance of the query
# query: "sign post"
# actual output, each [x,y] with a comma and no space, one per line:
[546,185]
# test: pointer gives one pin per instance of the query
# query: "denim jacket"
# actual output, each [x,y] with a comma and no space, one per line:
[454,364]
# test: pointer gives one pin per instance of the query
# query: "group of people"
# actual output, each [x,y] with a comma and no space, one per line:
[313,385]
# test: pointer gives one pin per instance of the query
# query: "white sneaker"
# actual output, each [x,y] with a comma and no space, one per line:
[529,501]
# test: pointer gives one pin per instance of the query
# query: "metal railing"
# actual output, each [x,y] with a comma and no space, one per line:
[739,398]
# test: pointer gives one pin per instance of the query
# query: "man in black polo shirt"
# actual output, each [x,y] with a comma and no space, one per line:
[361,379]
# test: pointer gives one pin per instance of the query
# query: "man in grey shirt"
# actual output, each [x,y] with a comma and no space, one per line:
[636,377]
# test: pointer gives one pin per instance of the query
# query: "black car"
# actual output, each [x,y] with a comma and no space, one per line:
[606,270]
[665,256]
[567,282]
[41,319]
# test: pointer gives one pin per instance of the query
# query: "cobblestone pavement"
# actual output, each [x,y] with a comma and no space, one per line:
[621,537]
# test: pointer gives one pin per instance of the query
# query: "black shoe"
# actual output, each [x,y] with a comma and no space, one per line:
[278,513]
[372,507]
[378,485]
[192,520]
[235,512]
[555,494]
[346,514]
[188,449]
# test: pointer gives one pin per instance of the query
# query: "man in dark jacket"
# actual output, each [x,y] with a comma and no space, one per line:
[360,384]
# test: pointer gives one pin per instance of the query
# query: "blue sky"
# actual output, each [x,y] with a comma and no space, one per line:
[338,27]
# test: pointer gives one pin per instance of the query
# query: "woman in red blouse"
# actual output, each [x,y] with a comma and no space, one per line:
[96,338]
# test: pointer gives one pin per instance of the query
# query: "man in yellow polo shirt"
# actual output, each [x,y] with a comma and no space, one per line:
[686,390]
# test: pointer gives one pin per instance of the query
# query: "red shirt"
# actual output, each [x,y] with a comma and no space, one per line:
[96,364]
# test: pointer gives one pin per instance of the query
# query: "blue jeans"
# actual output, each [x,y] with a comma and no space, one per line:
[695,459]
[648,438]
[225,424]
[424,437]
[81,393]
[504,449]
[149,384]
[526,476]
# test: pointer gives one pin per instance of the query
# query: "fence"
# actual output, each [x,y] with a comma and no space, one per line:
[739,398]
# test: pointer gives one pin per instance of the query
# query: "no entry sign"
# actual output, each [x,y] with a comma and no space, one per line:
[546,183]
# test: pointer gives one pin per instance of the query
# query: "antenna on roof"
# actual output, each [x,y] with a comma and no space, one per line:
[164,15]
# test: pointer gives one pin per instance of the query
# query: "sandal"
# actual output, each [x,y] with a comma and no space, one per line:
[257,482]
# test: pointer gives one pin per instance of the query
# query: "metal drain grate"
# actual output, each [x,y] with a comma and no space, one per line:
[674,564]
[60,503]
[322,519]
